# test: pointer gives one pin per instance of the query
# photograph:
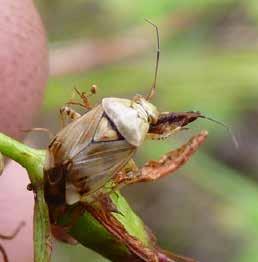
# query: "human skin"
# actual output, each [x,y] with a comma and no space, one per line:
[23,76]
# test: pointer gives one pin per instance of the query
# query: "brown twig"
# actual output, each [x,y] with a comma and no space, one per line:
[153,170]
[169,163]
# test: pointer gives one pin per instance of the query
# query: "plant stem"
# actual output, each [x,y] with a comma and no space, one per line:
[119,235]
[42,231]
[32,160]
[29,158]
[87,230]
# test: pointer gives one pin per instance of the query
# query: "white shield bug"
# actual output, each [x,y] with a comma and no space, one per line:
[95,146]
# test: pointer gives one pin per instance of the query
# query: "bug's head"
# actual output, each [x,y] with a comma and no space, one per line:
[150,110]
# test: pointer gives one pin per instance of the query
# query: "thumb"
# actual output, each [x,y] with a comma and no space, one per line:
[23,76]
[23,65]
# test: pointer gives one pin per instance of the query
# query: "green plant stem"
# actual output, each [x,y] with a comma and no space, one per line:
[87,230]
[29,158]
[42,232]
[32,160]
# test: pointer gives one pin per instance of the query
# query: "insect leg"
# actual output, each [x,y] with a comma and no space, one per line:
[84,97]
[167,164]
[67,112]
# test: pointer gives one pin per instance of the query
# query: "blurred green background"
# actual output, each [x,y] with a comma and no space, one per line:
[209,62]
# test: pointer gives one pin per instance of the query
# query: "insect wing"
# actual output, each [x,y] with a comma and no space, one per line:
[74,137]
[96,165]
[92,163]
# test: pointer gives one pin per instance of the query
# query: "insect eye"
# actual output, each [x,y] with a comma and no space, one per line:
[150,119]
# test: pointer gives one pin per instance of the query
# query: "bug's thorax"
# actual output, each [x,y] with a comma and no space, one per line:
[131,117]
[90,150]
[105,131]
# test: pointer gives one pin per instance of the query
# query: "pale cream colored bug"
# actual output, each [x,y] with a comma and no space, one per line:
[94,147]
[100,143]
[90,150]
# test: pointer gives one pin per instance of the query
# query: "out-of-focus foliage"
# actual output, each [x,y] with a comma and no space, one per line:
[209,210]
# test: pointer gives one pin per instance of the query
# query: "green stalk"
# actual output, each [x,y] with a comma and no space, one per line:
[32,160]
[87,230]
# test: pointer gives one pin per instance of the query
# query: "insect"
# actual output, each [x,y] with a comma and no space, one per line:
[94,147]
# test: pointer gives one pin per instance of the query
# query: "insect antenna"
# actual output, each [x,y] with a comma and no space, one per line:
[153,87]
[234,139]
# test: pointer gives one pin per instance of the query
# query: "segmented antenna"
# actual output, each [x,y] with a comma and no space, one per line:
[152,91]
[234,139]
